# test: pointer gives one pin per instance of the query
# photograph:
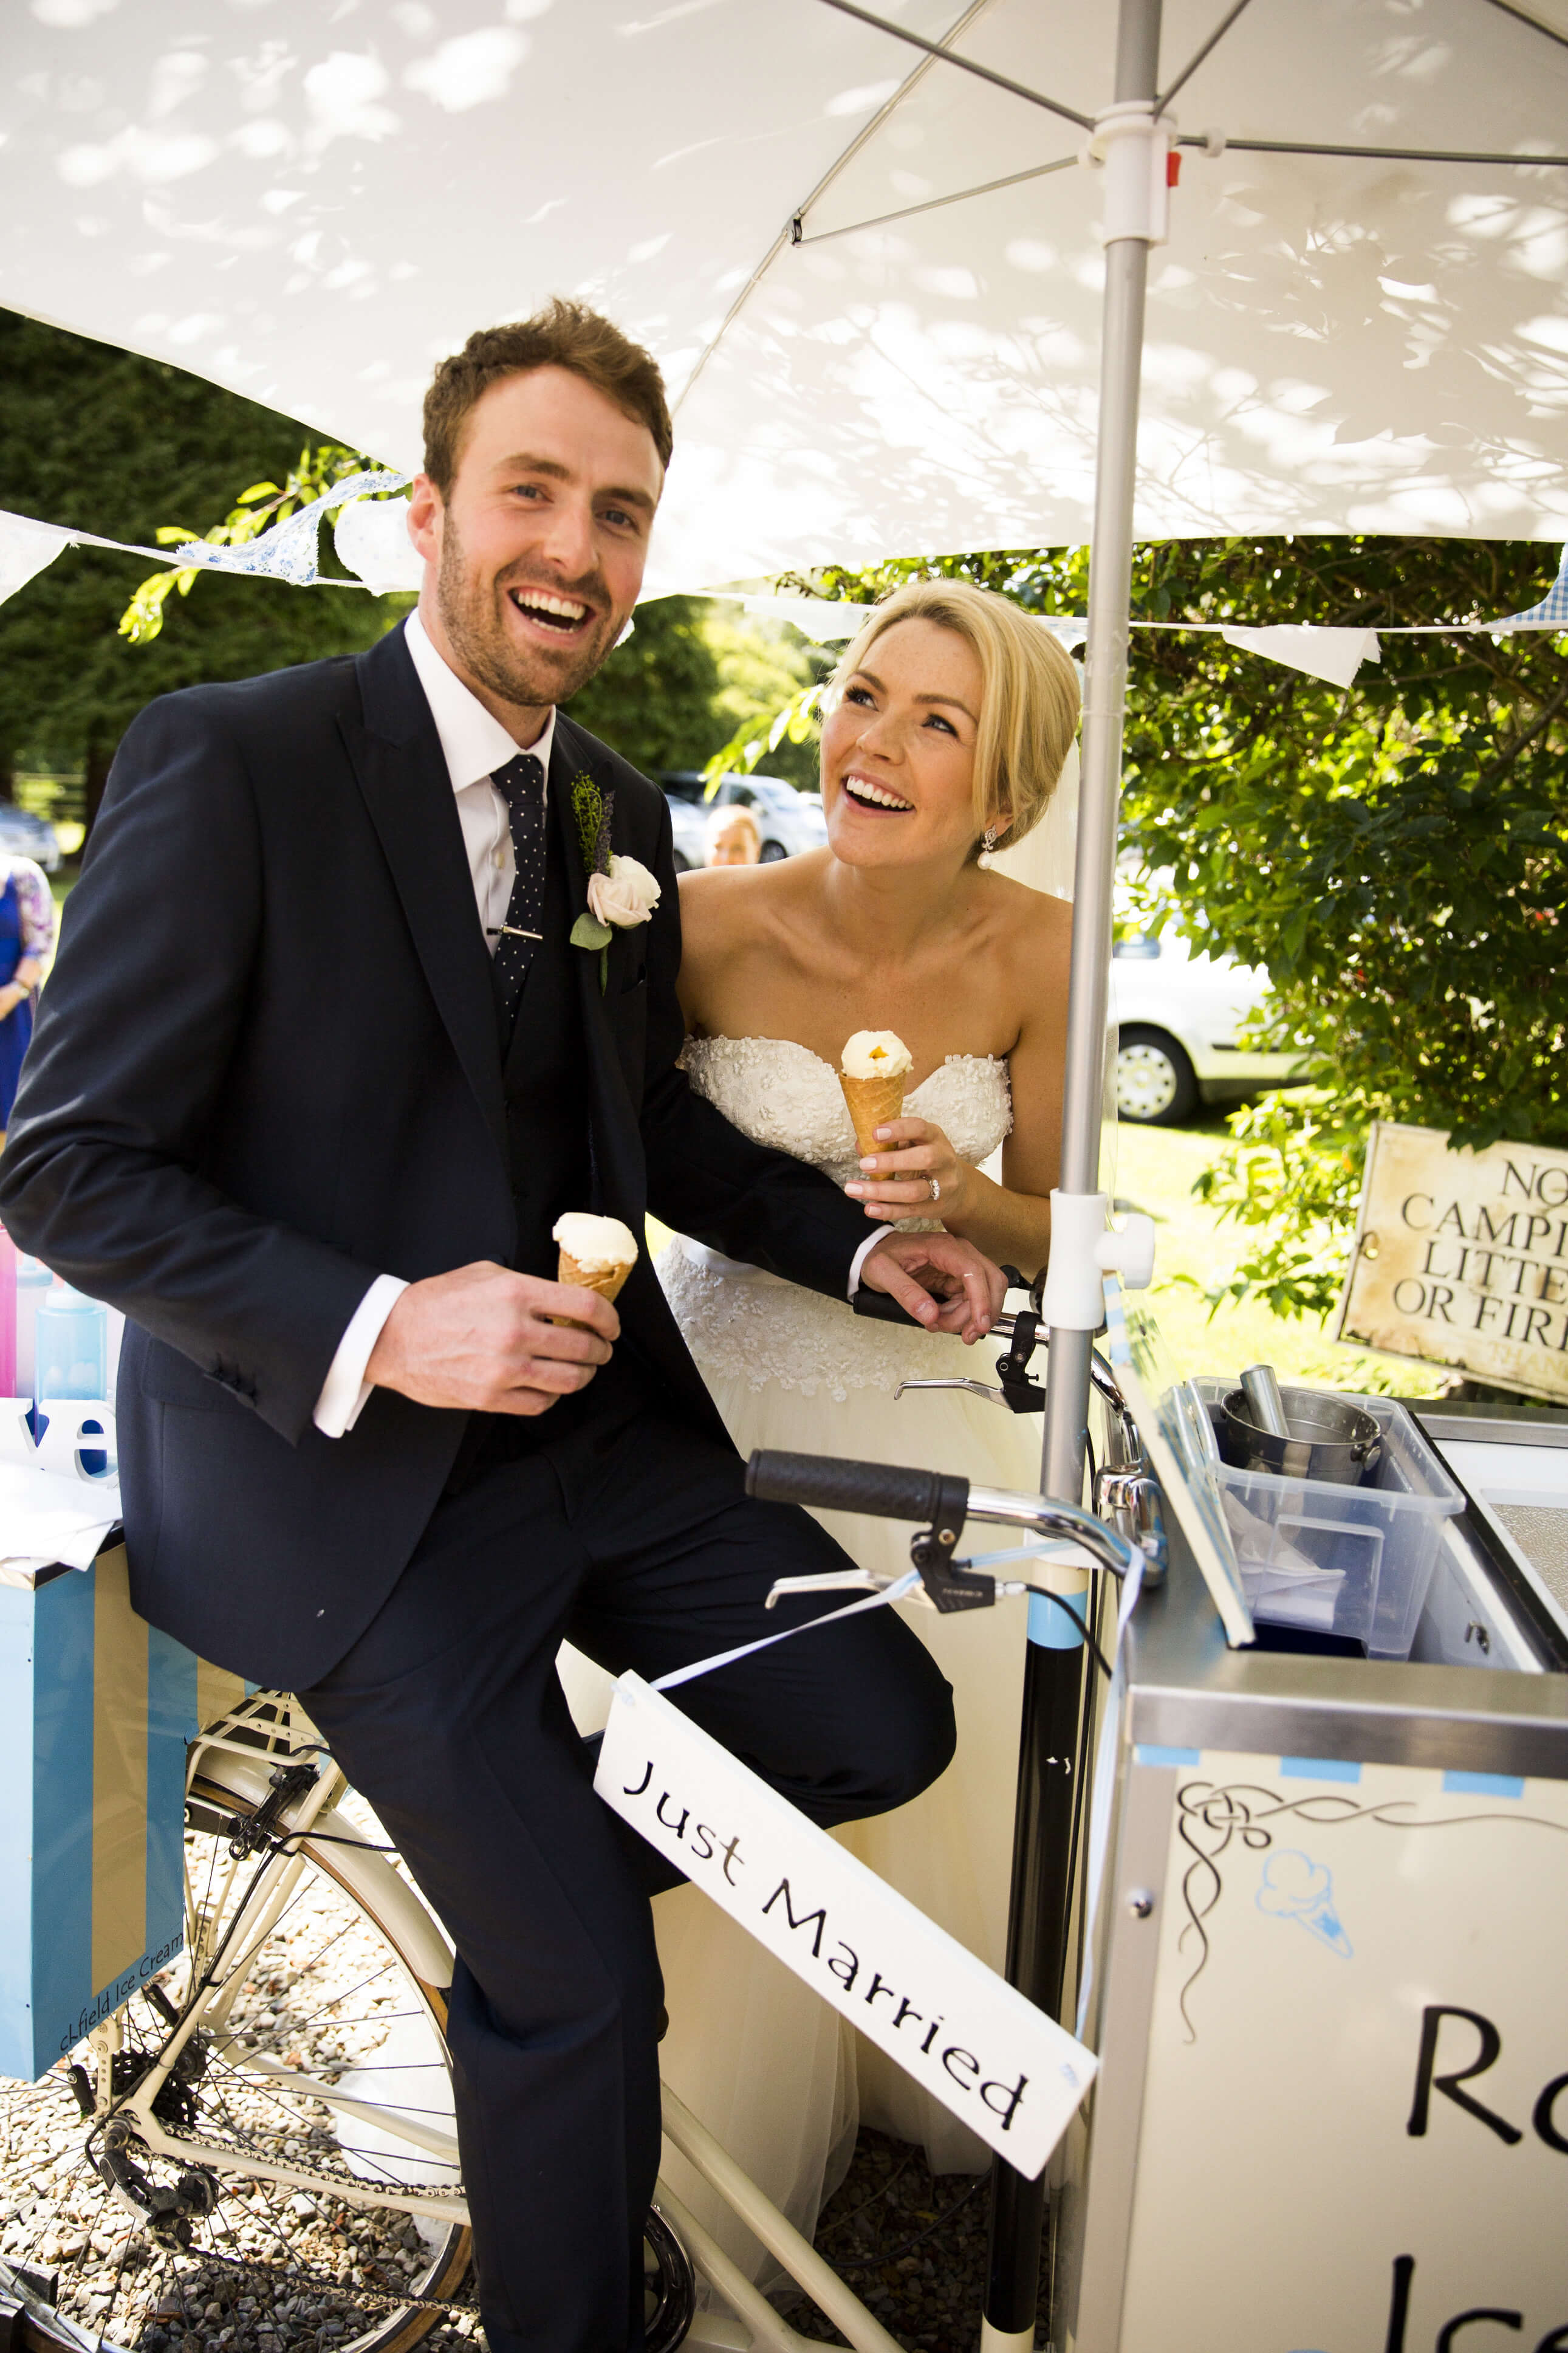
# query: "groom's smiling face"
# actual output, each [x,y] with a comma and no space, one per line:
[534,560]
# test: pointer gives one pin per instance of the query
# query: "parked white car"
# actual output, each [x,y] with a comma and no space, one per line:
[1177,1012]
[789,821]
[23,835]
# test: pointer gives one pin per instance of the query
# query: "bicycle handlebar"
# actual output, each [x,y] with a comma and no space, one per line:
[886,1490]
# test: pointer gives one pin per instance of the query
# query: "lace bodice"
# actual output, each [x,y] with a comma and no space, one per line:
[784,1095]
[739,1323]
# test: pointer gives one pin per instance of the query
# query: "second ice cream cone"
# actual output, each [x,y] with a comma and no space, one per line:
[608,1259]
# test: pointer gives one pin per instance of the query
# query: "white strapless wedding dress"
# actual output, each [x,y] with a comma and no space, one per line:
[772,2071]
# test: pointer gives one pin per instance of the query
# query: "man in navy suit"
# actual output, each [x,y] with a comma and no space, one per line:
[318,1069]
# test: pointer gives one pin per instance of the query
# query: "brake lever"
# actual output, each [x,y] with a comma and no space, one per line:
[833,1580]
[975,1389]
[845,1580]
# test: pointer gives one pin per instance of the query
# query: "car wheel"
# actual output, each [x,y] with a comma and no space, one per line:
[680,861]
[772,851]
[1156,1086]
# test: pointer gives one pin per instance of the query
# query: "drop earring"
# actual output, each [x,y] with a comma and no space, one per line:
[989,839]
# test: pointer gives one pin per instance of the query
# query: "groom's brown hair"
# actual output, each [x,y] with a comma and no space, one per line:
[564,335]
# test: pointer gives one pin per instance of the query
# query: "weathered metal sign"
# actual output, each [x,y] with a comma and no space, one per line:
[1461,1257]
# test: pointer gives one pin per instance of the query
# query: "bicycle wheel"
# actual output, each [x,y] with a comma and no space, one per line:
[241,2210]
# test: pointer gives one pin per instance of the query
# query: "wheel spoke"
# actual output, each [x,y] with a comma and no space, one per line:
[303,1998]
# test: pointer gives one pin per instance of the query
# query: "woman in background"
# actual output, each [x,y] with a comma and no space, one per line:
[732,838]
[26,936]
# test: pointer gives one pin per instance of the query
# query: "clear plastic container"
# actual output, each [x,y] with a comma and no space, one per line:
[70,1346]
[34,1283]
[1352,1561]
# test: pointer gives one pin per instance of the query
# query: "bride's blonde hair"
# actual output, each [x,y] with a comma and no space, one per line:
[1028,712]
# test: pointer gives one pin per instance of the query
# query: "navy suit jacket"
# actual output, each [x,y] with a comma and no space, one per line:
[266,1069]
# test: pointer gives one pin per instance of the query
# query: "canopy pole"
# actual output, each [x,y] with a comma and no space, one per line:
[1038,1922]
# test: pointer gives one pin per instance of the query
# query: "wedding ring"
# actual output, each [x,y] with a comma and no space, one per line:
[935,1189]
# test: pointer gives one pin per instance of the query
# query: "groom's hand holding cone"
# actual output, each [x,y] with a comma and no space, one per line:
[485,1340]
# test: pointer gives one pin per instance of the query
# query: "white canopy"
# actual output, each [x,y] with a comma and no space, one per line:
[309,204]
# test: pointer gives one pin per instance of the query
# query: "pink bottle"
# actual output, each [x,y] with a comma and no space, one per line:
[7,1315]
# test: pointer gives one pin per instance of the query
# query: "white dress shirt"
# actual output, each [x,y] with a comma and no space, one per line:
[475,745]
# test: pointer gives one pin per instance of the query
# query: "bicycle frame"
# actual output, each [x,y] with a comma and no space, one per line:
[223,1767]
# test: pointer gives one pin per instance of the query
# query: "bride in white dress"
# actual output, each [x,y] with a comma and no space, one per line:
[948,724]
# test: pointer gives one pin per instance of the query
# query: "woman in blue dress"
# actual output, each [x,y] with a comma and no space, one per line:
[26,936]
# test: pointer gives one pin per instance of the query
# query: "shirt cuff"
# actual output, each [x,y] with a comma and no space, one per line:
[858,1260]
[345,1388]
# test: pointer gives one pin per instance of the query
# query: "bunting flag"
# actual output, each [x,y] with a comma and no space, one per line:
[290,551]
[26,548]
[1552,613]
[1332,654]
[372,541]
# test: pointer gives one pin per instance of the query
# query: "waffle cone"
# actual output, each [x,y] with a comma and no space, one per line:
[606,1280]
[871,1102]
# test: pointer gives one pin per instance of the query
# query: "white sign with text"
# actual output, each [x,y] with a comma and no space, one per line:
[1014,2076]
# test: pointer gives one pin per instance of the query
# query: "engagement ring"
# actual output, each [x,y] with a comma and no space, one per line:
[935,1189]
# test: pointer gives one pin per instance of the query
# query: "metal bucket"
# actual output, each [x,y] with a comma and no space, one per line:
[1329,1439]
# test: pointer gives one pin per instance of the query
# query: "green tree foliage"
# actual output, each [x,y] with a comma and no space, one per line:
[762,663]
[691,674]
[654,699]
[117,445]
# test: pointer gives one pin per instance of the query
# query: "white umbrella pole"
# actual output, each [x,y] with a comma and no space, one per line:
[1134,156]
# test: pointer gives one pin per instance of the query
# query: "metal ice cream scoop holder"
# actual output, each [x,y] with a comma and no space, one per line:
[1326,1435]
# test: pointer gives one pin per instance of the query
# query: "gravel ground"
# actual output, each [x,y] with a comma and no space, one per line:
[911,2244]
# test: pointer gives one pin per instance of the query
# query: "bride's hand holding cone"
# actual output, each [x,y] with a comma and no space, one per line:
[898,1181]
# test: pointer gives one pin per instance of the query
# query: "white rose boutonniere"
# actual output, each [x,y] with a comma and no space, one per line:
[621,891]
[627,894]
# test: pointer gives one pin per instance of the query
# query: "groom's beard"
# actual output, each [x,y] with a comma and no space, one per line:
[473,614]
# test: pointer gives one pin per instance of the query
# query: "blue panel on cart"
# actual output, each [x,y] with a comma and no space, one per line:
[1052,1627]
[1482,1785]
[63,1726]
[1146,1753]
[1318,1768]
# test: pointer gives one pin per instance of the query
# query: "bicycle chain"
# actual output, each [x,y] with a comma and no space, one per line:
[387,2298]
[332,2184]
[194,2153]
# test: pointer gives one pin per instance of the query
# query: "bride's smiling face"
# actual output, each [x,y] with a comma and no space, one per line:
[898,751]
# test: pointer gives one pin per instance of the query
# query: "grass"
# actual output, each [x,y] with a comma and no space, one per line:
[1155,1171]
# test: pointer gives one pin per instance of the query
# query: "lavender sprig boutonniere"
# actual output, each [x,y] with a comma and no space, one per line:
[621,891]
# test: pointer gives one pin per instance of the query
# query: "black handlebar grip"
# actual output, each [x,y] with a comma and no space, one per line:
[886,1491]
[884,1310]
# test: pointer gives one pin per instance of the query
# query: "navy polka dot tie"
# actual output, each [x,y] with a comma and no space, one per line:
[522,784]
